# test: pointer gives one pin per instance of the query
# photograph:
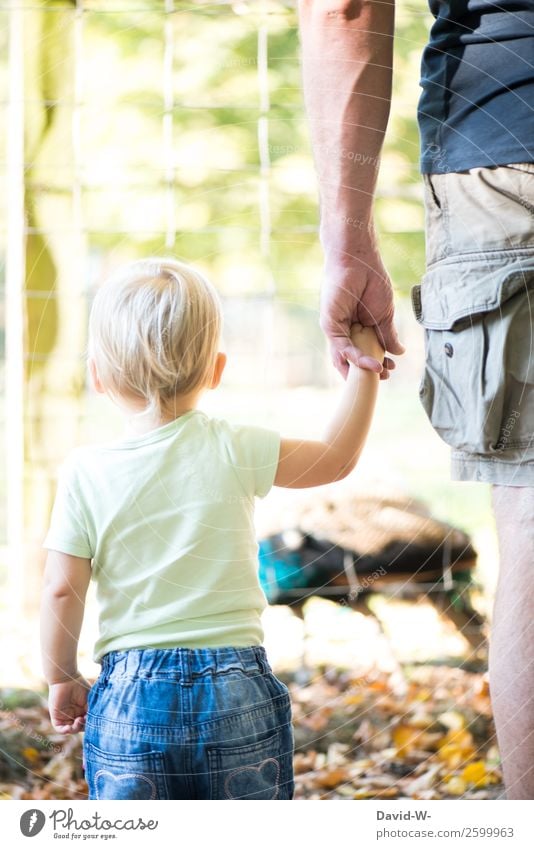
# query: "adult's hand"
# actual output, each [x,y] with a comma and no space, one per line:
[359,292]
[347,60]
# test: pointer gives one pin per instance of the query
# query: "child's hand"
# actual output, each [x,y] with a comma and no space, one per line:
[67,704]
[366,340]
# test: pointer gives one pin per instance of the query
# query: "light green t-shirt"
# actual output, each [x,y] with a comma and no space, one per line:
[168,521]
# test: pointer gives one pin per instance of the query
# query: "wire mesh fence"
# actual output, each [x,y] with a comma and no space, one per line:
[142,128]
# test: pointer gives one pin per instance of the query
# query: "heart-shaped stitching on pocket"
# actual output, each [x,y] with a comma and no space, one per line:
[145,787]
[254,772]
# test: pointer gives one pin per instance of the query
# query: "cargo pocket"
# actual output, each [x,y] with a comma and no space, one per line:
[479,359]
[113,775]
[257,771]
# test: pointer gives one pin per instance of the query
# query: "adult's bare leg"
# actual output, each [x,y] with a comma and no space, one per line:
[511,656]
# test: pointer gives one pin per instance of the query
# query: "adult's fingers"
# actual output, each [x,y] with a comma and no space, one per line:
[339,361]
[387,333]
[370,363]
[354,355]
[341,353]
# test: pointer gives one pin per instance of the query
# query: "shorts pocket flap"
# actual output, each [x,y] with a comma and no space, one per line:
[451,292]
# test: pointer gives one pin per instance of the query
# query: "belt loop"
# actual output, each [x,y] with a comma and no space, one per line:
[104,669]
[261,657]
[133,662]
[110,660]
[186,656]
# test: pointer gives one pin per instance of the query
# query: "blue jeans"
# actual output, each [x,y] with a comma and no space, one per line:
[188,724]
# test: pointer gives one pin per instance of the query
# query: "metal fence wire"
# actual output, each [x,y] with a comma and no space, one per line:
[137,128]
[131,128]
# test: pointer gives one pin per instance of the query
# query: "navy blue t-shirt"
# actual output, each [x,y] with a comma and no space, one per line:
[477,76]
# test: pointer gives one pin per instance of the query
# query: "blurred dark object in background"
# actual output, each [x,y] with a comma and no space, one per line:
[345,548]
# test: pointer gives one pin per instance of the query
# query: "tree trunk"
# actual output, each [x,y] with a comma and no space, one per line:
[55,304]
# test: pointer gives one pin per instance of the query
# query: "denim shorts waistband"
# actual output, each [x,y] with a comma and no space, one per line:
[182,662]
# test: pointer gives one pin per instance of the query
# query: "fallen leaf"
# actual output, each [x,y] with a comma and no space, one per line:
[457,748]
[406,737]
[331,778]
[385,793]
[456,786]
[31,754]
[476,774]
[424,781]
[452,719]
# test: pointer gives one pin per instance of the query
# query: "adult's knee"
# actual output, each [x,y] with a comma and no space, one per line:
[514,506]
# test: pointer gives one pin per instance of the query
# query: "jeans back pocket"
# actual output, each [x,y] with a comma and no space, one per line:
[260,770]
[120,775]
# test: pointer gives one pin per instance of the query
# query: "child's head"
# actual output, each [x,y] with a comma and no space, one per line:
[154,332]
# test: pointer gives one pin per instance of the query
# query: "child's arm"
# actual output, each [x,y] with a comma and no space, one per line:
[66,580]
[304,463]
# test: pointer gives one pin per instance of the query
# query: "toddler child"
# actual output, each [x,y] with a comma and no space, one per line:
[186,705]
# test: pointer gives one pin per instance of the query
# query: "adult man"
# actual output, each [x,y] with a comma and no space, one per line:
[476,121]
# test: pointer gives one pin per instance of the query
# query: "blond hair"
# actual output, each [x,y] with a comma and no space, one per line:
[154,331]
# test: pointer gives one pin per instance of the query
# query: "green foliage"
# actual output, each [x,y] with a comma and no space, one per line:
[197,194]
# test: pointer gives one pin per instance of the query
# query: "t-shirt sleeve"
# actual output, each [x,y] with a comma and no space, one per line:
[255,452]
[67,531]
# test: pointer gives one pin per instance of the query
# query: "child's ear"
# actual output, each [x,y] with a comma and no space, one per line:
[220,362]
[94,377]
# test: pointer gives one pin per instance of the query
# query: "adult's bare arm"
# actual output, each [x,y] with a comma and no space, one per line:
[347,50]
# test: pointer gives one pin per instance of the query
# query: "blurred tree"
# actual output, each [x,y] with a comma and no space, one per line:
[216,157]
[55,304]
[107,181]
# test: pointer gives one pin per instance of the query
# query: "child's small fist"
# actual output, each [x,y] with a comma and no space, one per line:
[67,704]
[366,340]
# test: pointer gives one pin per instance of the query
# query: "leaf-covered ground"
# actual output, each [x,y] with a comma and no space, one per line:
[425,735]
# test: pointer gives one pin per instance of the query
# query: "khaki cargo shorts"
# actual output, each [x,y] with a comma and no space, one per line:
[475,303]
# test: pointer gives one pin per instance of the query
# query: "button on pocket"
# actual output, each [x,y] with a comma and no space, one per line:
[113,775]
